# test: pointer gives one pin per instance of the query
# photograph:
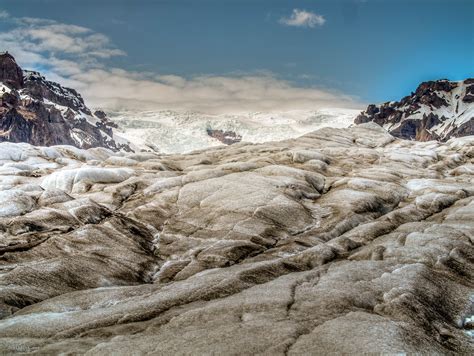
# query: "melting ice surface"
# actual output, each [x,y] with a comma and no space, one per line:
[181,132]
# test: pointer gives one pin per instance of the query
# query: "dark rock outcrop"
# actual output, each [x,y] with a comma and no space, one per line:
[44,113]
[10,72]
[469,97]
[437,110]
[226,137]
[100,114]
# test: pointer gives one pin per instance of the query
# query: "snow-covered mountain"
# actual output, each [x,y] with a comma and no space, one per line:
[44,113]
[437,110]
[180,132]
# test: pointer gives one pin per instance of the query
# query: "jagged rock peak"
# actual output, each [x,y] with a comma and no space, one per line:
[437,110]
[10,72]
[39,88]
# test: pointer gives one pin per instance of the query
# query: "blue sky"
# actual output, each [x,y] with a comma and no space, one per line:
[373,50]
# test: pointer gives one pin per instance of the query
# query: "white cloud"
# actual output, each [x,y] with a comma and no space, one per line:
[303,18]
[40,36]
[118,89]
[4,14]
[74,56]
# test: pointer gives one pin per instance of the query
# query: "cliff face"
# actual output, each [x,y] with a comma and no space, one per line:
[43,113]
[340,242]
[437,110]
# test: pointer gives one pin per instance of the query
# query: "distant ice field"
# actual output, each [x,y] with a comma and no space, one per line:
[181,132]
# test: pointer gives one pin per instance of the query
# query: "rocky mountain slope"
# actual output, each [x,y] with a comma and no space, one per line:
[41,112]
[343,241]
[437,110]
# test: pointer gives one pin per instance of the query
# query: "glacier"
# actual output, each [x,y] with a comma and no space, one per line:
[341,241]
[171,131]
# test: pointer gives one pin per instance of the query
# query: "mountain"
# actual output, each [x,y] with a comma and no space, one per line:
[171,131]
[340,242]
[437,110]
[43,113]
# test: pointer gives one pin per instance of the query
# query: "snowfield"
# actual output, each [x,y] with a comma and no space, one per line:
[182,132]
[342,241]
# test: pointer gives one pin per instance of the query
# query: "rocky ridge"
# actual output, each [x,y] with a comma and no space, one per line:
[40,112]
[343,241]
[437,110]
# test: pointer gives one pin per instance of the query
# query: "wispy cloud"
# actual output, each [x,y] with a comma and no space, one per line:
[39,36]
[303,18]
[76,56]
